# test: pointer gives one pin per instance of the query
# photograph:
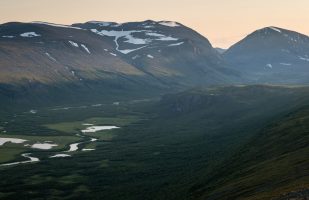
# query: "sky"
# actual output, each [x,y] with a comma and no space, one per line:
[223,22]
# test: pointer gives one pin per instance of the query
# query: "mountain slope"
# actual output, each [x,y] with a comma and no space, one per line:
[274,163]
[272,55]
[149,54]
[165,49]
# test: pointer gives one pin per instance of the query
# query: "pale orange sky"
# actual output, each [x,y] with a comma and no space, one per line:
[223,22]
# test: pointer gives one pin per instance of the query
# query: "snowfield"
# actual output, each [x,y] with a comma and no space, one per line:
[131,38]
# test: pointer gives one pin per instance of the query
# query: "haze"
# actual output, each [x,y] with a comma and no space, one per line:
[223,22]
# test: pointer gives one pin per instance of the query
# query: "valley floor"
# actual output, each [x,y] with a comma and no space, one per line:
[217,143]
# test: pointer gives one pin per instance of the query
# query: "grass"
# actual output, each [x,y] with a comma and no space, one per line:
[273,163]
[77,126]
[10,152]
[173,149]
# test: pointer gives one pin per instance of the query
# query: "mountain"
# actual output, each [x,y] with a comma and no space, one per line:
[41,58]
[272,55]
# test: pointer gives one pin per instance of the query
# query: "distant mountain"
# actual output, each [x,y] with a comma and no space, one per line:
[39,55]
[220,50]
[272,55]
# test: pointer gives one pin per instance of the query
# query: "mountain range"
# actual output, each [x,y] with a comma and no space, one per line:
[40,59]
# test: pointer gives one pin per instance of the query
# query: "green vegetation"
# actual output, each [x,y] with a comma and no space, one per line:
[10,151]
[219,143]
[275,162]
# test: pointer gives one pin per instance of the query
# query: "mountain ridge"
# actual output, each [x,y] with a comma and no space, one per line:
[157,54]
[271,55]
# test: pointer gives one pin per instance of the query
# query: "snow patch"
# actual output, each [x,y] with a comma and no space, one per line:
[161,36]
[149,26]
[269,65]
[73,147]
[167,38]
[74,44]
[50,57]
[120,34]
[155,34]
[44,146]
[11,140]
[150,56]
[286,64]
[86,49]
[169,23]
[93,129]
[33,111]
[275,29]
[177,44]
[30,34]
[127,51]
[133,40]
[303,58]
[8,36]
[135,57]
[128,35]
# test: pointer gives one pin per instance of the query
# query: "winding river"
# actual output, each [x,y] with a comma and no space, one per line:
[73,147]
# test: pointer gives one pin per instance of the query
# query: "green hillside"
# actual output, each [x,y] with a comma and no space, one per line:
[273,163]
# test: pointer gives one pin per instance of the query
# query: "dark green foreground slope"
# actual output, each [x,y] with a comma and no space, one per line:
[273,163]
